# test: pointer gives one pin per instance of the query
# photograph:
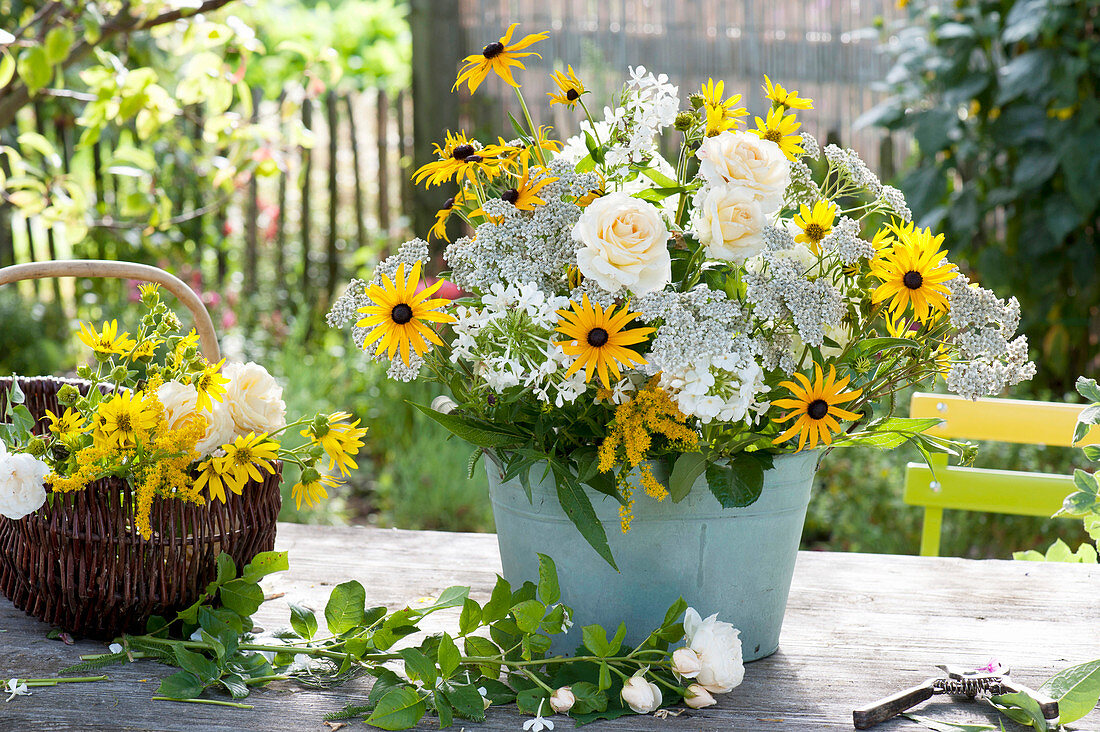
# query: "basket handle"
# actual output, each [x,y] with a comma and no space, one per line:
[204,326]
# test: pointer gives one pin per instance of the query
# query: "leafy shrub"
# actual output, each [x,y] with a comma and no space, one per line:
[33,337]
[1001,98]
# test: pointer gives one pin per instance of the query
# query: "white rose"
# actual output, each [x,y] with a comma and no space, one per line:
[719,647]
[641,695]
[686,662]
[21,489]
[729,222]
[179,401]
[625,244]
[253,398]
[697,697]
[746,161]
[562,700]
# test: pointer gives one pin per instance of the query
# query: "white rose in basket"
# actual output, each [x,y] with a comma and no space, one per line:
[742,159]
[179,401]
[625,244]
[718,646]
[254,399]
[21,489]
[730,223]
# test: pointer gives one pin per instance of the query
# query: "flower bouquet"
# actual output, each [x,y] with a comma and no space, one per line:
[119,490]
[659,351]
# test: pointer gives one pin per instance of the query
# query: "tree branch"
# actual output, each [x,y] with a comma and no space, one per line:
[16,96]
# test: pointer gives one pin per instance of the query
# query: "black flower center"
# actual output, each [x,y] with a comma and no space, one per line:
[401,313]
[912,280]
[473,159]
[462,152]
[597,337]
[511,195]
[817,409]
[815,232]
[572,95]
[493,50]
[448,204]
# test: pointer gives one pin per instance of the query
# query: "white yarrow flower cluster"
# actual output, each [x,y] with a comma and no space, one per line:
[779,289]
[845,242]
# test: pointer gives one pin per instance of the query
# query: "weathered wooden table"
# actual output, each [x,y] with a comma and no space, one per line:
[858,626]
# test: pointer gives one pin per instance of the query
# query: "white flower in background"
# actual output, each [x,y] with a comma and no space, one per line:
[625,244]
[179,402]
[730,223]
[697,697]
[743,160]
[254,398]
[21,489]
[718,645]
[562,700]
[686,663]
[640,695]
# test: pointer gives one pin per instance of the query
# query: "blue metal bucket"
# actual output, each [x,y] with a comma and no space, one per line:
[734,562]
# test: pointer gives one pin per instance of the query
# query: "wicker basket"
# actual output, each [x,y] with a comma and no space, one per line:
[80,564]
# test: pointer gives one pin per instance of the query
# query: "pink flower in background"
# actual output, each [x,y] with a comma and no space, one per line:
[229,319]
[993,667]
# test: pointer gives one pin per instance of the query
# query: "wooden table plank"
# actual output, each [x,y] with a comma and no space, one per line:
[858,627]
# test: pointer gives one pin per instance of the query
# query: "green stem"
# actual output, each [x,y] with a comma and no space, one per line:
[595,132]
[63,680]
[215,702]
[531,127]
[257,680]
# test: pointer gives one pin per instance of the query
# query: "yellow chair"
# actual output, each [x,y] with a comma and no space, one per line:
[983,489]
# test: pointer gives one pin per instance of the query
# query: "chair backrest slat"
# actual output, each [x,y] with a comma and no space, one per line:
[1002,420]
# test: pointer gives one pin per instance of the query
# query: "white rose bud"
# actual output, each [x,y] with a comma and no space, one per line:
[686,663]
[743,160]
[640,695]
[625,244]
[562,700]
[21,489]
[730,222]
[719,647]
[254,398]
[697,697]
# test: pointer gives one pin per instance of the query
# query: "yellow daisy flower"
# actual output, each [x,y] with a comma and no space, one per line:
[123,420]
[780,97]
[107,340]
[439,228]
[816,406]
[570,89]
[214,477]
[459,159]
[397,317]
[145,350]
[597,340]
[68,425]
[499,57]
[720,115]
[311,488]
[210,385]
[913,271]
[815,223]
[339,438]
[780,128]
[525,194]
[245,456]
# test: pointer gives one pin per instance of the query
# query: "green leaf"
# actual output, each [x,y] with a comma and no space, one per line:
[181,685]
[739,483]
[605,676]
[34,68]
[7,68]
[58,42]
[685,471]
[529,615]
[227,571]
[235,685]
[265,563]
[303,621]
[467,702]
[449,657]
[470,618]
[500,602]
[418,666]
[574,501]
[199,665]
[399,709]
[549,592]
[450,597]
[385,681]
[1022,708]
[1088,388]
[241,596]
[529,700]
[444,709]
[479,647]
[344,610]
[476,432]
[595,640]
[534,645]
[589,698]
[1076,689]
[1092,452]
[938,726]
[675,612]
[616,641]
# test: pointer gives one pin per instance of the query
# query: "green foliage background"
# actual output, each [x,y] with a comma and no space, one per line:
[1001,99]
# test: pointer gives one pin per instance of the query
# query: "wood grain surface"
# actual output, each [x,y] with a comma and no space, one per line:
[858,627]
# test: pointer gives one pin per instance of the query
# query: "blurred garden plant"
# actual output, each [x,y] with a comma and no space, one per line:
[1001,97]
